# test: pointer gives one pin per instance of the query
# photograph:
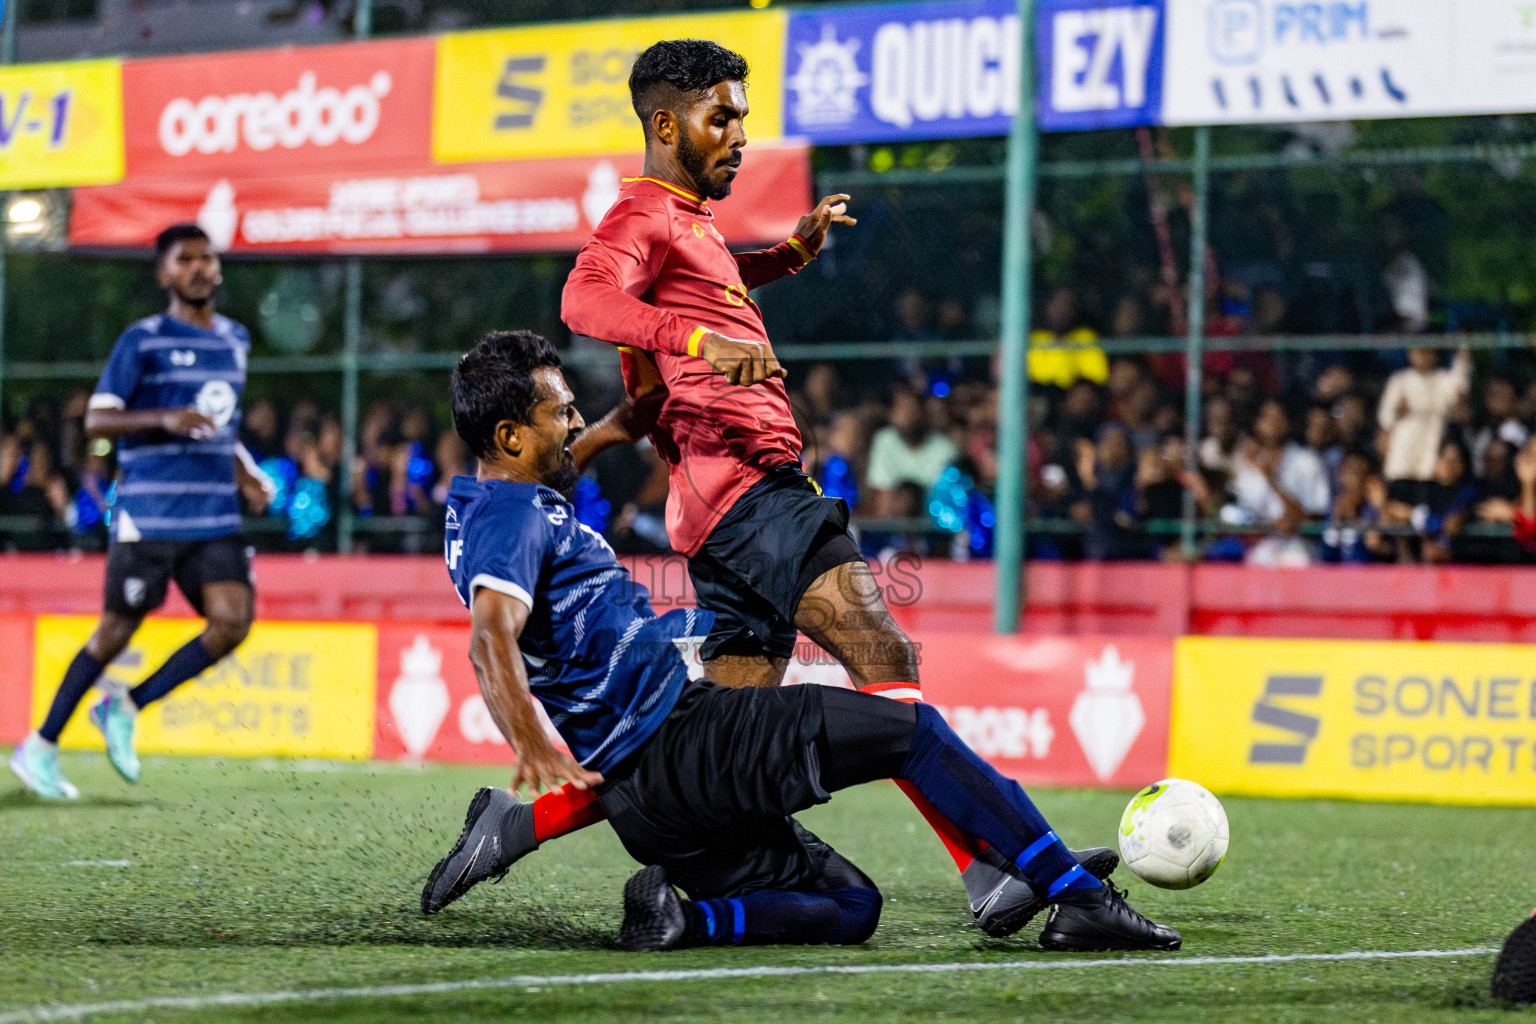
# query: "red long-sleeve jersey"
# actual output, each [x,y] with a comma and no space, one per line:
[657,276]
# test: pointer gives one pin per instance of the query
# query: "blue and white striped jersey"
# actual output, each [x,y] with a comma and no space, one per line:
[606,669]
[177,488]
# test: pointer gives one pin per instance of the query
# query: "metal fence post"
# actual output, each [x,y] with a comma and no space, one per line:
[1194,340]
[1013,388]
[8,14]
[351,349]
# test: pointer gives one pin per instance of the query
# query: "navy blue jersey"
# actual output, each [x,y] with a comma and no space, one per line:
[177,488]
[606,669]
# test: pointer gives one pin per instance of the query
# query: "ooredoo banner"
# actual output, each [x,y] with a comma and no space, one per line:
[351,106]
[1437,722]
[61,124]
[294,689]
[563,90]
[536,206]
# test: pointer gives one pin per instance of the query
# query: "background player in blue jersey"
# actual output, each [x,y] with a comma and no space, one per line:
[170,397]
[698,780]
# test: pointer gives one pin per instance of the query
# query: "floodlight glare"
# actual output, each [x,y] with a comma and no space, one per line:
[25,211]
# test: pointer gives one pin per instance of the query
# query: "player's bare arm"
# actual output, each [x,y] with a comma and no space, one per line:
[626,423]
[498,622]
[115,423]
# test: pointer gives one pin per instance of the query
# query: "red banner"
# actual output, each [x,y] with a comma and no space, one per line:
[538,206]
[1056,711]
[348,107]
[16,632]
[1068,711]
[429,703]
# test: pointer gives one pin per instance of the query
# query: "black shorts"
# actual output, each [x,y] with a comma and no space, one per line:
[761,558]
[709,797]
[140,572]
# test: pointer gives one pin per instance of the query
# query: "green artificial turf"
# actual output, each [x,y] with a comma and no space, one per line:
[267,876]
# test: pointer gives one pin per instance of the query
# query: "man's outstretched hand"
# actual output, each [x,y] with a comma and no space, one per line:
[743,362]
[813,226]
[546,768]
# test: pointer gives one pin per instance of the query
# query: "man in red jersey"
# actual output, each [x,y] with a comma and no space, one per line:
[768,553]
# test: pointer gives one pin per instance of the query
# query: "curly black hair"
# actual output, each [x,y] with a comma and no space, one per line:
[166,240]
[494,382]
[680,69]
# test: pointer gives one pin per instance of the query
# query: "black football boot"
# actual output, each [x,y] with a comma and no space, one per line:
[498,832]
[1002,902]
[1098,920]
[653,914]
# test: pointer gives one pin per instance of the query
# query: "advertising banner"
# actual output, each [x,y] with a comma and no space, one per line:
[1244,61]
[293,689]
[1070,711]
[1437,722]
[884,72]
[61,124]
[15,677]
[296,110]
[537,206]
[429,703]
[1100,63]
[1056,711]
[563,90]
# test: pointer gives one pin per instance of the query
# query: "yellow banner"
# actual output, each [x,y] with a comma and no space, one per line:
[293,689]
[61,124]
[1443,723]
[563,90]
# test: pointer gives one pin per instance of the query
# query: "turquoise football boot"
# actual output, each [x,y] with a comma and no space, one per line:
[116,720]
[36,764]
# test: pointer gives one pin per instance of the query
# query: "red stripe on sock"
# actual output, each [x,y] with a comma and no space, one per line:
[565,810]
[961,847]
[877,689]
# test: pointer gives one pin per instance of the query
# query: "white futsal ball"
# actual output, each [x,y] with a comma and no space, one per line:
[1174,834]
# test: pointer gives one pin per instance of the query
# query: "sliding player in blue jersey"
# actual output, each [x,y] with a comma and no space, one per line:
[698,780]
[170,397]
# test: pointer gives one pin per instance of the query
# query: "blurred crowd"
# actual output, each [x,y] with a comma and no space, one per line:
[1377,457]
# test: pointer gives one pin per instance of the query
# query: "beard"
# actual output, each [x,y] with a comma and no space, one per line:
[693,162]
[564,477]
[196,301]
[564,480]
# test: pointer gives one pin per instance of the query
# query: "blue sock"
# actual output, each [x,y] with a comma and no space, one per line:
[190,660]
[78,679]
[840,917]
[984,803]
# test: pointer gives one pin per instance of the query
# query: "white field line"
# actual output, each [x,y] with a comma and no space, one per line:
[81,1011]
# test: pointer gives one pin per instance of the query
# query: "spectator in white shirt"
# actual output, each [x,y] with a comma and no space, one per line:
[1413,411]
[1279,483]
[906,451]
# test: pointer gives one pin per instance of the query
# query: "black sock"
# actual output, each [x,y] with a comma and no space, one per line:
[187,662]
[78,679]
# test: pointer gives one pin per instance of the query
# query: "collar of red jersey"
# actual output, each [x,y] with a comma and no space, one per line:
[671,188]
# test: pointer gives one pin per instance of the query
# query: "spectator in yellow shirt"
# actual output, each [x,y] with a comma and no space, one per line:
[1081,360]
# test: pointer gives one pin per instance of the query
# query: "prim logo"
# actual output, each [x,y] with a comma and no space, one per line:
[1303,728]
